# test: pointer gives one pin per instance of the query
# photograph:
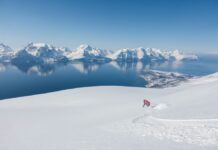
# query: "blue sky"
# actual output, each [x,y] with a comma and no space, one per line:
[189,25]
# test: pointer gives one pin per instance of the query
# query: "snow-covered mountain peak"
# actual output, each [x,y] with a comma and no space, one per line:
[63,49]
[84,47]
[137,54]
[36,49]
[149,54]
[178,55]
[38,46]
[39,53]
[4,48]
[176,51]
[87,52]
[6,53]
[153,51]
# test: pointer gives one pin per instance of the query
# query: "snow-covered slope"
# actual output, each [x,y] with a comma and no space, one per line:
[6,53]
[112,118]
[86,52]
[40,52]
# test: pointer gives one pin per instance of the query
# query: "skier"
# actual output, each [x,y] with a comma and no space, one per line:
[146,103]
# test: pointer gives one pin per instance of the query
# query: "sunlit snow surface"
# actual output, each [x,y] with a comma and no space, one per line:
[183,117]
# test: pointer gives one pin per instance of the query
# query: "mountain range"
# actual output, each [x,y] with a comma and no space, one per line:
[6,53]
[48,54]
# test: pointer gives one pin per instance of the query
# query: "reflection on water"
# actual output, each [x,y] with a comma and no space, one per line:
[140,66]
[29,78]
[85,67]
[39,69]
[45,69]
[2,68]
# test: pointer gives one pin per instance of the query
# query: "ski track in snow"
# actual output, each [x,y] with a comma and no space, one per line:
[203,132]
[194,131]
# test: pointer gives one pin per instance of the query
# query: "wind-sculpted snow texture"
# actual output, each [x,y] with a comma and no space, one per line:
[191,131]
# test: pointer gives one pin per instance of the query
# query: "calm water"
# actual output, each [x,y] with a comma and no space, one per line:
[28,80]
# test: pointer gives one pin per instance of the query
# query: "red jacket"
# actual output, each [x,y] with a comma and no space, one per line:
[147,103]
